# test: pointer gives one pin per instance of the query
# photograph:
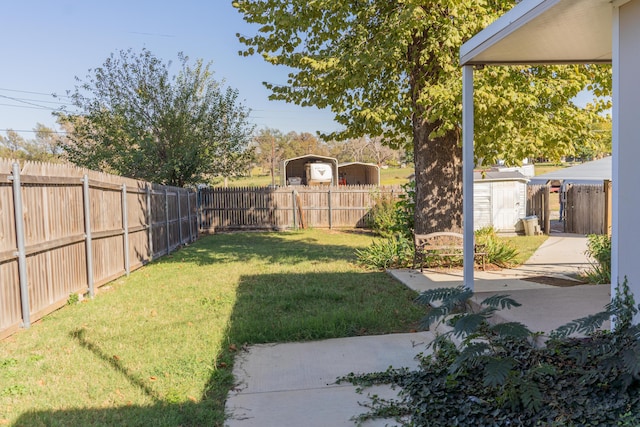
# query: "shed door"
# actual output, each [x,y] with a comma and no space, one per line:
[506,205]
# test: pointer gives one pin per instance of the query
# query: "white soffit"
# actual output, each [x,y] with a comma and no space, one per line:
[545,32]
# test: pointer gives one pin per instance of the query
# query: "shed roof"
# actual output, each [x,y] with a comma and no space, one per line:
[313,157]
[487,176]
[545,32]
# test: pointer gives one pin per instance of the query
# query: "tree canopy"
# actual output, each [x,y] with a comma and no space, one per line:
[135,118]
[391,69]
[44,147]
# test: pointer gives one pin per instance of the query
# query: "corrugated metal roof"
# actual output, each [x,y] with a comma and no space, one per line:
[545,32]
[597,170]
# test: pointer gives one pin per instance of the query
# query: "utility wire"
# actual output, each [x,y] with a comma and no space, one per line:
[27,102]
[35,93]
[62,132]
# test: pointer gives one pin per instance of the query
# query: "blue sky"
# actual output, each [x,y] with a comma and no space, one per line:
[45,44]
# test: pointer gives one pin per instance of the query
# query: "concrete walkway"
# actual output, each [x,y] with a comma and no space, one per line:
[293,384]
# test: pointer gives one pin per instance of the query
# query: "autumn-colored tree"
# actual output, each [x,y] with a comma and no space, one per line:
[45,147]
[391,69]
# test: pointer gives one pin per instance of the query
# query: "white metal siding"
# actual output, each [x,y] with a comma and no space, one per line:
[499,204]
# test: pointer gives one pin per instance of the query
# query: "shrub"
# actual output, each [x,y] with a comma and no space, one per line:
[388,217]
[498,376]
[392,252]
[498,251]
[382,217]
[599,248]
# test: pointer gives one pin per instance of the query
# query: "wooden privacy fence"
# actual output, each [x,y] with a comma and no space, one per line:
[67,230]
[538,205]
[289,207]
[588,208]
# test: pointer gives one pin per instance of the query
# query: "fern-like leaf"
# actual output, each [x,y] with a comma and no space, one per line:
[511,329]
[530,396]
[585,325]
[501,302]
[470,356]
[496,371]
[434,315]
[468,324]
[445,295]
[631,360]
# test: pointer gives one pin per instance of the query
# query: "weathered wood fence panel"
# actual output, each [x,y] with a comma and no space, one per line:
[289,207]
[67,230]
[585,209]
[538,205]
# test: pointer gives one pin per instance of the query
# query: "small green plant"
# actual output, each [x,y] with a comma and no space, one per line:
[392,252]
[73,299]
[389,217]
[500,374]
[499,252]
[382,217]
[599,249]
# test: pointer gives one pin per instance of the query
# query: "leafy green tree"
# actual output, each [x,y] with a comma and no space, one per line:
[364,149]
[391,69]
[304,143]
[134,118]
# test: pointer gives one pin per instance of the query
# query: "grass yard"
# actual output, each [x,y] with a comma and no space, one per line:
[526,246]
[157,348]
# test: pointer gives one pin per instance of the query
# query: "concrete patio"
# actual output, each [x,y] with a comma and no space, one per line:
[293,384]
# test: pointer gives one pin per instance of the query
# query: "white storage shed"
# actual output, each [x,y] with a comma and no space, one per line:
[499,200]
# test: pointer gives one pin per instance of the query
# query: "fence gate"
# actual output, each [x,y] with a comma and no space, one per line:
[538,205]
[585,210]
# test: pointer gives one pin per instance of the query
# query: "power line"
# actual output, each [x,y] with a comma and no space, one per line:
[26,102]
[35,93]
[63,132]
[39,107]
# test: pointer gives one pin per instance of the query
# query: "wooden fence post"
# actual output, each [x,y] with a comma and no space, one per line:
[294,193]
[329,203]
[547,209]
[87,233]
[607,207]
[125,229]
[20,243]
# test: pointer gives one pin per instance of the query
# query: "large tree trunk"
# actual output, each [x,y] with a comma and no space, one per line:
[438,172]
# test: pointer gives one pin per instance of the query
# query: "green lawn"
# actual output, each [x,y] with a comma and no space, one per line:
[157,348]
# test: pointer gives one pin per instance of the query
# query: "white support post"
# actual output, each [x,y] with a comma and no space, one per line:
[615,148]
[467,175]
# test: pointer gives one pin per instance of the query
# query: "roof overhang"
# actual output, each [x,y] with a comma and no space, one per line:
[545,32]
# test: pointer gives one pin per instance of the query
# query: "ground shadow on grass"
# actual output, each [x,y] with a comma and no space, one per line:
[268,308]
